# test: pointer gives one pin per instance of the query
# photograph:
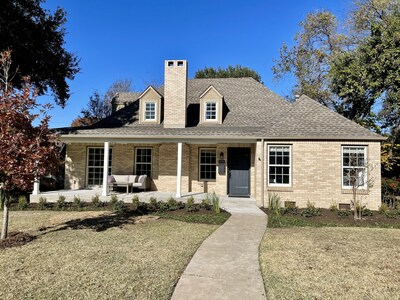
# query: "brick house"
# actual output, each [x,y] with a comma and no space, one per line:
[228,135]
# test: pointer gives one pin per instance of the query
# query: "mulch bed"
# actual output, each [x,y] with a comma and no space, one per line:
[331,217]
[16,239]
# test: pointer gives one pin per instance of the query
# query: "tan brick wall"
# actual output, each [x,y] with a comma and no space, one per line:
[168,165]
[316,170]
[317,174]
[175,94]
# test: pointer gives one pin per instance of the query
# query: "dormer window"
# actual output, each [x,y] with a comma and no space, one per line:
[211,106]
[211,111]
[150,106]
[150,110]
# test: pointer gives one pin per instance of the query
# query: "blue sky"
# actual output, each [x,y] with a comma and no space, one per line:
[131,39]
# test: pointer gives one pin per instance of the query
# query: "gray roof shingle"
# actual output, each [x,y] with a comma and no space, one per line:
[251,110]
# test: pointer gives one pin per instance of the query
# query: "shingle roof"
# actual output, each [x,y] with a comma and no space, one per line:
[308,118]
[251,110]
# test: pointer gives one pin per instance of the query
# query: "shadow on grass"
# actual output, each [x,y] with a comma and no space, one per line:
[99,223]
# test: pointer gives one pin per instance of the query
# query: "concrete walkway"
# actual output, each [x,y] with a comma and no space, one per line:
[226,264]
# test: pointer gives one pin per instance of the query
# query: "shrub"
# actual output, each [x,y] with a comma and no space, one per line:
[172,204]
[310,211]
[333,207]
[22,203]
[153,204]
[77,203]
[114,199]
[42,203]
[205,204]
[96,202]
[61,204]
[383,208]
[190,205]
[215,203]
[343,213]
[162,206]
[119,206]
[135,199]
[391,214]
[366,212]
[274,204]
[290,208]
[135,202]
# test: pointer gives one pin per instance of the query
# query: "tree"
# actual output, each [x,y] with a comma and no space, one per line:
[349,71]
[370,72]
[27,151]
[100,106]
[309,59]
[36,38]
[237,71]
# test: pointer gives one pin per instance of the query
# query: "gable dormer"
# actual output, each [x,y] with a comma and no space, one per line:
[150,106]
[211,104]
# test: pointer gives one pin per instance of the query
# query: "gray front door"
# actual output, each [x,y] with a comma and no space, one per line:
[239,172]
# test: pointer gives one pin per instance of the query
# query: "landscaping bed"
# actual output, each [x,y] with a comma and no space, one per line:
[333,218]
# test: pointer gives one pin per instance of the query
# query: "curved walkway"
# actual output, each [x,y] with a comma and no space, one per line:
[226,264]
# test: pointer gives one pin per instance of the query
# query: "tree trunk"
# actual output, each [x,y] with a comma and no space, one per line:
[4,229]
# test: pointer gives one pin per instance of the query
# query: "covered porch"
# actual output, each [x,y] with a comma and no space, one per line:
[175,169]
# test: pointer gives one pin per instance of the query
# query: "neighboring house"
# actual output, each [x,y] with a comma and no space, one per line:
[229,135]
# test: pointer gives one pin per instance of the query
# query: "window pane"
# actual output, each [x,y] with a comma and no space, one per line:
[211,111]
[207,164]
[143,164]
[95,165]
[279,165]
[353,166]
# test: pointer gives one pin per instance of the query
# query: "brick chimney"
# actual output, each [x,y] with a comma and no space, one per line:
[175,87]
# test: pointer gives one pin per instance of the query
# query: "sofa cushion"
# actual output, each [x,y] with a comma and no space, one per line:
[133,178]
[121,179]
[142,178]
[111,179]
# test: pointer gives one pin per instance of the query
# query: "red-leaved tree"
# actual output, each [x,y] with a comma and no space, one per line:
[28,150]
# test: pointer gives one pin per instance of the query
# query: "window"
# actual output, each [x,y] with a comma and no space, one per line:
[208,162]
[95,163]
[279,165]
[354,166]
[150,111]
[211,111]
[143,161]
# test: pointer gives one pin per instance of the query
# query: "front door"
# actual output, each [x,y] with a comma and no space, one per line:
[239,172]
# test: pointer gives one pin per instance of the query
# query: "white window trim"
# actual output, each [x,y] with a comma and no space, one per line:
[365,186]
[204,179]
[216,111]
[151,160]
[87,165]
[155,111]
[290,166]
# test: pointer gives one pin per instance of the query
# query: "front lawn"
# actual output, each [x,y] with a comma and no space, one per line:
[74,259]
[331,263]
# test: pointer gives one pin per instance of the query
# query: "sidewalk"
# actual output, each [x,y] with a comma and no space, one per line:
[226,264]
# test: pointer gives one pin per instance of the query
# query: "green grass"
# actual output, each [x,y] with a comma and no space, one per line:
[331,263]
[297,221]
[134,261]
[216,219]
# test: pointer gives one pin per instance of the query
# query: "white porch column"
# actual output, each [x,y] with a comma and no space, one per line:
[179,172]
[36,184]
[105,168]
